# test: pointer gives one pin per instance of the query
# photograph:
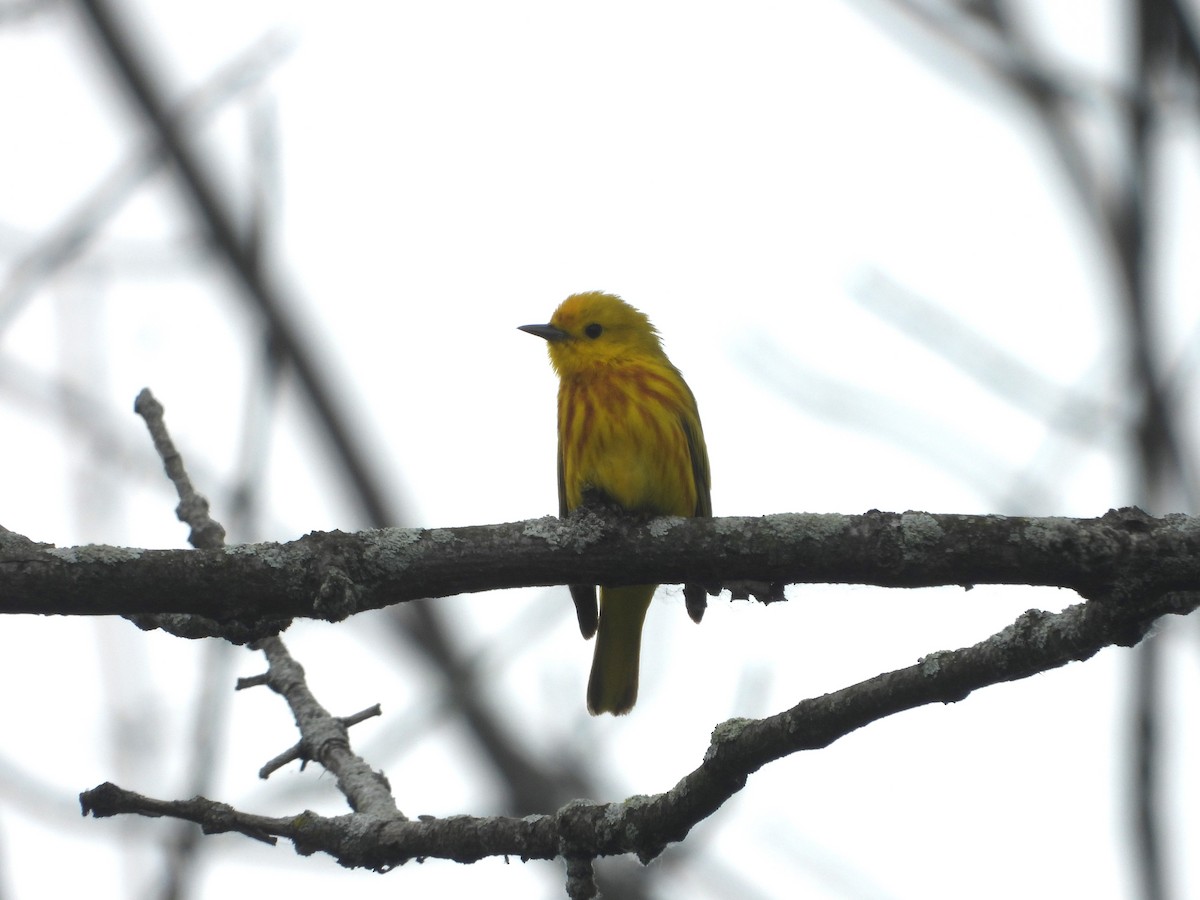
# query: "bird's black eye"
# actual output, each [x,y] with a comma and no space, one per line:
[594,330]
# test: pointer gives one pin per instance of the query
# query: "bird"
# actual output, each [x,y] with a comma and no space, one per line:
[629,436]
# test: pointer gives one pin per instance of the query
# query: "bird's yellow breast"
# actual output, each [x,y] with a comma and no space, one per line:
[621,431]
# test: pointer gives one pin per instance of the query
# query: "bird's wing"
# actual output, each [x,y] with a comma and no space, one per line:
[699,457]
[694,595]
[587,611]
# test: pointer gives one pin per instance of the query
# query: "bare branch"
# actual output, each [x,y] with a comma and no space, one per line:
[324,738]
[207,533]
[581,879]
[297,752]
[332,575]
[644,826]
[215,818]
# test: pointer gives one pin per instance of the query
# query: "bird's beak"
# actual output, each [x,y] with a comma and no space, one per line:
[549,332]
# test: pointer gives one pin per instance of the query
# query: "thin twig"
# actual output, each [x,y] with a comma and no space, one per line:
[581,878]
[207,533]
[298,752]
[324,738]
[193,510]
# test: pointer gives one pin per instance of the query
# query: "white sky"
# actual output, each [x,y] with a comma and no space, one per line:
[452,170]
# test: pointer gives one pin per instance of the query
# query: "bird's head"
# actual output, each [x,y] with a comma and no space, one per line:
[595,328]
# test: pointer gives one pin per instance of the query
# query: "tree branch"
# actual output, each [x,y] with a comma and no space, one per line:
[323,737]
[333,575]
[644,826]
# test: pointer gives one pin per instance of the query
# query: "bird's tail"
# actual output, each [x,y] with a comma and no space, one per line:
[613,685]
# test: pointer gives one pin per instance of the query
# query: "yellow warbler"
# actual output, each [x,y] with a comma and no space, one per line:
[629,430]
